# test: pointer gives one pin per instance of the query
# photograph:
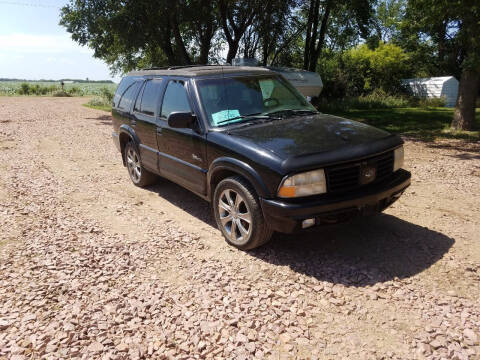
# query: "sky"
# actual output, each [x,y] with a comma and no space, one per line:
[33,46]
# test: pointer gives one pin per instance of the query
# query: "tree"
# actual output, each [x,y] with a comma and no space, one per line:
[129,34]
[318,15]
[273,33]
[388,18]
[453,27]
[235,18]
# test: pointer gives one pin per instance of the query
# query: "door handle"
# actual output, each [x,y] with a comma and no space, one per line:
[159,130]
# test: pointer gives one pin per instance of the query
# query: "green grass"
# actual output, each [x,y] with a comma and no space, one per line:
[107,108]
[423,123]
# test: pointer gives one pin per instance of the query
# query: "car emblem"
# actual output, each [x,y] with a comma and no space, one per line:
[368,174]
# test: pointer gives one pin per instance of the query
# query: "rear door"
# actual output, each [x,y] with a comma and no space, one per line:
[145,113]
[182,151]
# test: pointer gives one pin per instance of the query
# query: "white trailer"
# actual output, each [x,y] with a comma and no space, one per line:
[308,83]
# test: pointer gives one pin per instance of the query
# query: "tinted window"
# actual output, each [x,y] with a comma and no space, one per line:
[150,96]
[139,99]
[124,84]
[175,99]
[129,96]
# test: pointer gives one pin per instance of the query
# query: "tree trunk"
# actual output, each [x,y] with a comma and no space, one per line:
[306,54]
[321,39]
[204,50]
[205,41]
[184,58]
[232,50]
[464,115]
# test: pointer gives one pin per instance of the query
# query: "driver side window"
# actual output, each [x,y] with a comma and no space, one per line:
[175,99]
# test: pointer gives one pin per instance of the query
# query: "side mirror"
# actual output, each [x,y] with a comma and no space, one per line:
[181,120]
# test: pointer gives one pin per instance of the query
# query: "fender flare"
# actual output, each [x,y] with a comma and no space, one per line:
[128,130]
[239,167]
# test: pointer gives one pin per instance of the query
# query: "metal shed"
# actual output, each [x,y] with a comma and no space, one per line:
[434,87]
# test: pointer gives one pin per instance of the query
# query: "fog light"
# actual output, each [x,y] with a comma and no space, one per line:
[308,223]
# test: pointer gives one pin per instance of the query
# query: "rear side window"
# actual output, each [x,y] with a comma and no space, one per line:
[129,96]
[124,84]
[175,99]
[150,95]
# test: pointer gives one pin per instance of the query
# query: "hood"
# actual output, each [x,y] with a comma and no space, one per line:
[318,139]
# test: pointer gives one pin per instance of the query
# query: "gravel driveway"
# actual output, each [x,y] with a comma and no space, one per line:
[93,267]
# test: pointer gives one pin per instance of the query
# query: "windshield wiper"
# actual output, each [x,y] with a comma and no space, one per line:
[294,111]
[250,116]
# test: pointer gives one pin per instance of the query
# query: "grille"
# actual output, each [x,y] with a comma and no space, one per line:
[346,177]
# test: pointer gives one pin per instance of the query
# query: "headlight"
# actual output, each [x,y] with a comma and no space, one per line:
[398,156]
[304,184]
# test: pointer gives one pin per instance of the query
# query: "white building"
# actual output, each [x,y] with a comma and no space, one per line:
[434,87]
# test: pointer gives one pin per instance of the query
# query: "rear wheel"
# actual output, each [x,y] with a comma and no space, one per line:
[138,174]
[238,214]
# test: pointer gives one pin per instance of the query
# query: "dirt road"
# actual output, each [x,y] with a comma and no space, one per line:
[93,267]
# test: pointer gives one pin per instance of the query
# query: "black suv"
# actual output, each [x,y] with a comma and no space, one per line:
[246,140]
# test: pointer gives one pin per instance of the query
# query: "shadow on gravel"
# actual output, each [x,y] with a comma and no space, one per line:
[184,200]
[363,252]
[102,119]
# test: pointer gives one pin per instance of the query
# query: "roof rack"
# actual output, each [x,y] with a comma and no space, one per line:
[181,67]
[157,68]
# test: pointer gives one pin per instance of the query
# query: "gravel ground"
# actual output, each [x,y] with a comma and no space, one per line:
[93,267]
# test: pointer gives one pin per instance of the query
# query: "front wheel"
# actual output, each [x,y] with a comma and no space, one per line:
[238,214]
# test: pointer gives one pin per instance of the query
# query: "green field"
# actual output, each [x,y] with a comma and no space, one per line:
[11,88]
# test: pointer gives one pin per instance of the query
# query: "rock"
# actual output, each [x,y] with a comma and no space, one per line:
[436,344]
[51,347]
[95,347]
[470,337]
[337,302]
[122,347]
[424,349]
[4,324]
[29,317]
[241,339]
[250,347]
[285,337]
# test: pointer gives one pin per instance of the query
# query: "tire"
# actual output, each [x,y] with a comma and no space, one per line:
[138,174]
[244,227]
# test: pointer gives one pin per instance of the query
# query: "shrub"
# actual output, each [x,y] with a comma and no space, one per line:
[375,100]
[107,95]
[98,101]
[24,89]
[361,70]
[432,102]
[75,91]
[52,89]
[61,94]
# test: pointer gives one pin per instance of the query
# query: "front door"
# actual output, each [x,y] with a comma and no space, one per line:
[182,151]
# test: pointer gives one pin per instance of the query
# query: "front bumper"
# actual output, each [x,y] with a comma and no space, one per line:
[286,216]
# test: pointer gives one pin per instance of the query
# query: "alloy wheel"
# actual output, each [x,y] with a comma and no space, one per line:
[133,165]
[235,216]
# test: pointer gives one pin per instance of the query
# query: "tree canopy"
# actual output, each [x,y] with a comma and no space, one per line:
[357,45]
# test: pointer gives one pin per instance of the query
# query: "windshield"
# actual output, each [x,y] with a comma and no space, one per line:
[234,99]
